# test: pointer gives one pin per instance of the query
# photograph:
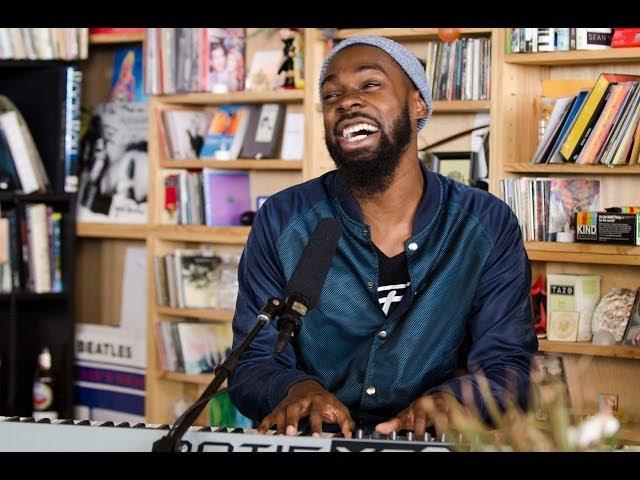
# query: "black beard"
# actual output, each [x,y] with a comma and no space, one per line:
[371,172]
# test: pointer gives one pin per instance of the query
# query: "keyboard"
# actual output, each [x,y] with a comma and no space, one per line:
[22,434]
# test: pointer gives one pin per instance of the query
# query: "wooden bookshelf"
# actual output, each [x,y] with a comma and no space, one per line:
[244,96]
[266,164]
[461,106]
[202,233]
[583,253]
[407,34]
[112,230]
[204,314]
[575,57]
[588,348]
[115,38]
[573,169]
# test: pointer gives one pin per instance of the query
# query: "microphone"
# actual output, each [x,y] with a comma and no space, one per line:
[304,288]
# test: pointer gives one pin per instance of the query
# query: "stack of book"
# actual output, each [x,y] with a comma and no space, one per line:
[229,132]
[194,60]
[597,126]
[44,43]
[546,206]
[196,278]
[521,40]
[192,347]
[30,249]
[459,70]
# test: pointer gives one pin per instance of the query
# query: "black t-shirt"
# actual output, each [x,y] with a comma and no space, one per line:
[393,280]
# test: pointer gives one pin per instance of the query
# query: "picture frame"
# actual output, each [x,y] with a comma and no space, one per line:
[459,166]
[631,337]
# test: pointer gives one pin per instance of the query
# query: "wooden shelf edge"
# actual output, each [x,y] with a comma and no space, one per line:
[204,314]
[243,96]
[575,57]
[115,38]
[583,253]
[201,233]
[202,379]
[587,348]
[135,231]
[572,169]
[267,164]
[405,33]
[462,106]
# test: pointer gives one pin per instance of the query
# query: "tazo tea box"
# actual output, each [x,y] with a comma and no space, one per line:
[608,227]
[571,293]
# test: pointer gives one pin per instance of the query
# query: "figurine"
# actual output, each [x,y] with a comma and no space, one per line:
[288,35]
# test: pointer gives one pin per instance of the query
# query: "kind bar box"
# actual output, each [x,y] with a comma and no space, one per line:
[571,299]
[604,227]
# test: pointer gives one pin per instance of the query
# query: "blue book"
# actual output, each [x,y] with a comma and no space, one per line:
[72,122]
[554,154]
[126,80]
[226,132]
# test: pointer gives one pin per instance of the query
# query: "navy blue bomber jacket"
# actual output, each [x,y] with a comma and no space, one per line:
[470,280]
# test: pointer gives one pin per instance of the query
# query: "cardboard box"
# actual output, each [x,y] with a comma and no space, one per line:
[604,227]
[571,293]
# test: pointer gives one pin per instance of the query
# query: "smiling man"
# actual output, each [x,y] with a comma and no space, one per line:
[429,275]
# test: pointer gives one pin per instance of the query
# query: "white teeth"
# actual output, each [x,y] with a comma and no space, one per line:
[348,131]
[357,138]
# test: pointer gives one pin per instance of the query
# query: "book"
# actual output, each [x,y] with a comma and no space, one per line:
[558,114]
[554,153]
[264,131]
[199,280]
[226,132]
[9,178]
[72,126]
[572,293]
[185,132]
[115,178]
[127,77]
[199,347]
[568,196]
[263,72]
[225,60]
[226,196]
[593,38]
[588,116]
[293,137]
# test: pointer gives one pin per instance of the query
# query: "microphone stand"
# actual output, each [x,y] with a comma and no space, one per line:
[169,442]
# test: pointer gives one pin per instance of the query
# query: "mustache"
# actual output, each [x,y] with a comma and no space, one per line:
[349,116]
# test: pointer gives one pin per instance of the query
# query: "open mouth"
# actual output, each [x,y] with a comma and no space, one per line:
[357,132]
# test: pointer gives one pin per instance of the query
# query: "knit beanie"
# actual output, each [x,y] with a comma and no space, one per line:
[403,57]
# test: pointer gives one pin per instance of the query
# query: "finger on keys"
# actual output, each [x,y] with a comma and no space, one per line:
[389,426]
[315,421]
[281,420]
[265,424]
[347,425]
[293,415]
[420,423]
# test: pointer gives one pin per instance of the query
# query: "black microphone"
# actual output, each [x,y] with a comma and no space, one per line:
[304,288]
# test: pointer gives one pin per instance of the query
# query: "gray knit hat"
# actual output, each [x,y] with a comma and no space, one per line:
[403,57]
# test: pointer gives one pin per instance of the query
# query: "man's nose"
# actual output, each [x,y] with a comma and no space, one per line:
[349,101]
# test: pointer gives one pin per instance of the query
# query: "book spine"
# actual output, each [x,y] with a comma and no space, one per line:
[208,217]
[72,129]
[572,39]
[14,251]
[56,237]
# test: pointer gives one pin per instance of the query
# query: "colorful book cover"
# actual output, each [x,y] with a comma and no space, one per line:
[225,60]
[199,281]
[127,84]
[227,196]
[199,347]
[568,196]
[226,132]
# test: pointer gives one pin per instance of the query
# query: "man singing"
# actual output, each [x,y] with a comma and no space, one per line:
[427,272]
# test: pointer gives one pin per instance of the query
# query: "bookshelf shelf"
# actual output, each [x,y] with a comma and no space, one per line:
[234,97]
[33,296]
[112,230]
[204,314]
[203,379]
[583,253]
[461,106]
[203,233]
[265,164]
[582,57]
[407,33]
[111,38]
[570,168]
[587,348]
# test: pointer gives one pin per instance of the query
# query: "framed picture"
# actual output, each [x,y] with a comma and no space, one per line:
[456,165]
[632,333]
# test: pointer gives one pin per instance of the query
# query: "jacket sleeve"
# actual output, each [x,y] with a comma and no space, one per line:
[501,324]
[260,277]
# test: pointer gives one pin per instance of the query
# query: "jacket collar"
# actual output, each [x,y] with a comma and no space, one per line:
[427,209]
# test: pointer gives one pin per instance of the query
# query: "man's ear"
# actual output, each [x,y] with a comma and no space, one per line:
[420,107]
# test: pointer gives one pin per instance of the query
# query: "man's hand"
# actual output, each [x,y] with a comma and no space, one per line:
[308,398]
[422,413]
